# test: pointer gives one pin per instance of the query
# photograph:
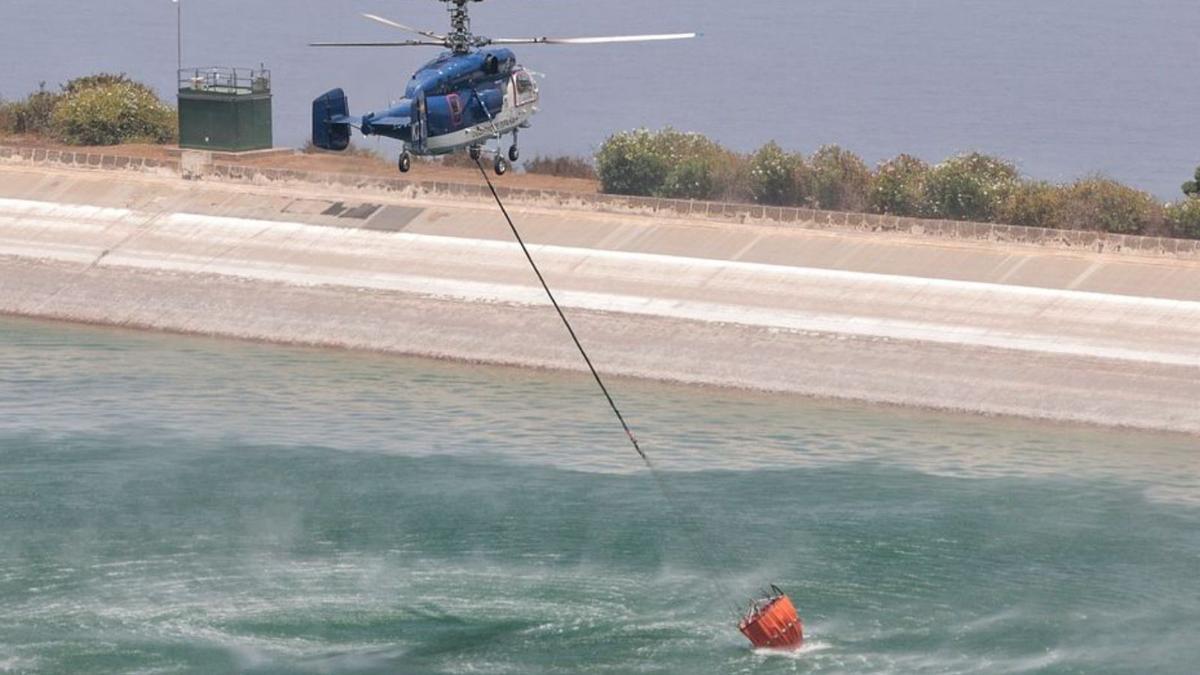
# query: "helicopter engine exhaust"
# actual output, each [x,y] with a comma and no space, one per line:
[331,121]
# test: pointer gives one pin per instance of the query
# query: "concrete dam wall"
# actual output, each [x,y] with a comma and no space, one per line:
[979,326]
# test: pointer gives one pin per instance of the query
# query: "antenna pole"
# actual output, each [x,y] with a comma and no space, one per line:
[178,34]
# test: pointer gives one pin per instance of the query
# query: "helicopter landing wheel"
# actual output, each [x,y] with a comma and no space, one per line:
[476,152]
[513,153]
[405,162]
[501,166]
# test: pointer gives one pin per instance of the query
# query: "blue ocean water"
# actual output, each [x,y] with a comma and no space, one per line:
[1063,88]
[179,504]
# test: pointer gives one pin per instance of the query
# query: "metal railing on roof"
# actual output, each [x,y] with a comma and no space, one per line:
[224,80]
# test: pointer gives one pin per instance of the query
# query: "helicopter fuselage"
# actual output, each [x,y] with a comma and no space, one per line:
[473,92]
[454,102]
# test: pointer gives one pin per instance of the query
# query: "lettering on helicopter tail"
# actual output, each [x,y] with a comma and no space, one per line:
[331,121]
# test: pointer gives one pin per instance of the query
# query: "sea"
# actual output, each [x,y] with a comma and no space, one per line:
[175,504]
[1063,88]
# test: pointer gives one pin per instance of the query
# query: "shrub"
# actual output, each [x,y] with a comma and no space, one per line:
[1097,203]
[640,162]
[731,179]
[677,146]
[629,164]
[101,80]
[1192,187]
[690,179]
[968,187]
[7,121]
[107,114]
[778,178]
[563,166]
[840,179]
[1184,218]
[692,159]
[1033,204]
[898,187]
[34,115]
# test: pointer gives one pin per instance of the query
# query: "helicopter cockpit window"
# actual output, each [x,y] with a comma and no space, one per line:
[525,90]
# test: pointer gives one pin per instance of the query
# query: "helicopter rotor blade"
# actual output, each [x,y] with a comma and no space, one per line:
[592,40]
[410,29]
[405,43]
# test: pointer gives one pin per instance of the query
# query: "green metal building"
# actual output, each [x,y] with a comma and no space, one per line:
[226,109]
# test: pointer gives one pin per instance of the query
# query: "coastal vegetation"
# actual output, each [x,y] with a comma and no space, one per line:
[561,166]
[102,109]
[971,186]
[107,109]
[1184,217]
[1192,187]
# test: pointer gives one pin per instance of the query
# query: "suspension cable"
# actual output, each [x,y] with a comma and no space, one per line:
[686,527]
[574,338]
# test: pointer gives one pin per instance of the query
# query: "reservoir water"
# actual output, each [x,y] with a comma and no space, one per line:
[1061,87]
[180,504]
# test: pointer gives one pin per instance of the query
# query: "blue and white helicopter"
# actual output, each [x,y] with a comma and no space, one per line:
[473,93]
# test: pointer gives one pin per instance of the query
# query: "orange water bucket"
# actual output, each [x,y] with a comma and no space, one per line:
[773,623]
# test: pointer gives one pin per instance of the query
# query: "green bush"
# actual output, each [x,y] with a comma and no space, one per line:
[1192,187]
[731,179]
[778,178]
[690,179]
[563,166]
[34,115]
[641,162]
[100,80]
[629,163]
[1184,218]
[840,179]
[1034,204]
[1097,203]
[968,187]
[692,159]
[7,121]
[111,113]
[898,187]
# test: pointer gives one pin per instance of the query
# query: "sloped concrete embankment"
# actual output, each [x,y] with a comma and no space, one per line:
[218,167]
[986,328]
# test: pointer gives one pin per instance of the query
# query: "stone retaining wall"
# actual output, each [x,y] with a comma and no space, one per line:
[202,168]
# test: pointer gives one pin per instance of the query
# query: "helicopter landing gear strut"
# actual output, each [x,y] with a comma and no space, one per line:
[514,153]
[500,165]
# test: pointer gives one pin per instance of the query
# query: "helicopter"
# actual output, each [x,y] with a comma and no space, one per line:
[473,93]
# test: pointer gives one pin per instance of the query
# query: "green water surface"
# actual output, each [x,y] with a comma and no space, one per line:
[173,504]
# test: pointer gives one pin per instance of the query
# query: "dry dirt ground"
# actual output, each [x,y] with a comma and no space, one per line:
[362,163]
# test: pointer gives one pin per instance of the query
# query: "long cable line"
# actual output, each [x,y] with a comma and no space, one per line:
[583,352]
[695,536]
